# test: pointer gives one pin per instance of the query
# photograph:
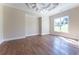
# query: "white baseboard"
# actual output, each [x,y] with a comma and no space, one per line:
[44,33]
[1,41]
[15,38]
[31,35]
[72,36]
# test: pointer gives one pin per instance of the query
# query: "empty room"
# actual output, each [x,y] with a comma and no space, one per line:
[39,29]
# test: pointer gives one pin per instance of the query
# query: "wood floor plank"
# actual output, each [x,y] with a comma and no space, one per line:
[39,45]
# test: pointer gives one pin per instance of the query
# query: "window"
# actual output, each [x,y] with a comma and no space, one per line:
[61,24]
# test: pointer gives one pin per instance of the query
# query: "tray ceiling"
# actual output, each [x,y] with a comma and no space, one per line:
[42,9]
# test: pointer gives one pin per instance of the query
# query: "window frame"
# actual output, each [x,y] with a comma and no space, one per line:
[63,25]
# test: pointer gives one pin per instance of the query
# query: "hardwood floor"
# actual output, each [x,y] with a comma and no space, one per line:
[39,45]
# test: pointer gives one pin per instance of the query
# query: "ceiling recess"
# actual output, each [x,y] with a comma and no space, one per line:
[42,7]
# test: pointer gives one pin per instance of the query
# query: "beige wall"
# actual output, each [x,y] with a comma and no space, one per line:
[14,23]
[73,23]
[18,24]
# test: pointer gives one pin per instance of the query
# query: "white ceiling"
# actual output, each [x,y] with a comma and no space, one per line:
[60,8]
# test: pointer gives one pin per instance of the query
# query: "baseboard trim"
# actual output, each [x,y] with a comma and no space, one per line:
[15,38]
[69,37]
[32,35]
[1,42]
[44,33]
[1,39]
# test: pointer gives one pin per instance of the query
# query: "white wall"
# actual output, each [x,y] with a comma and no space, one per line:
[45,25]
[32,25]
[73,23]
[1,24]
[37,26]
